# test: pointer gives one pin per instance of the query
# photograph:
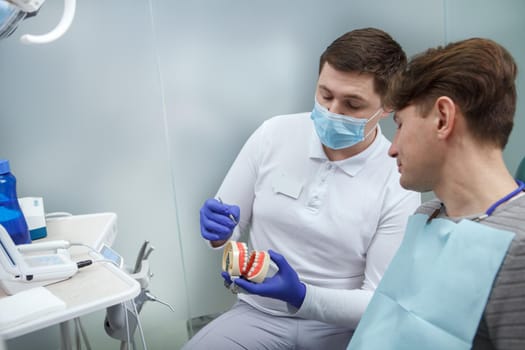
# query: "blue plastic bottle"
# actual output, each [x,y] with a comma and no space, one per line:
[11,216]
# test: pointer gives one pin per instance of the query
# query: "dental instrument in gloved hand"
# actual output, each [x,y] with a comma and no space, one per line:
[284,285]
[218,220]
[229,215]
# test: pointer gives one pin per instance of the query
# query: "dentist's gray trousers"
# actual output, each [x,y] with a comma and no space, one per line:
[244,327]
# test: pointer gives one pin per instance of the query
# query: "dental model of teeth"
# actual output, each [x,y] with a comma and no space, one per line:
[237,262]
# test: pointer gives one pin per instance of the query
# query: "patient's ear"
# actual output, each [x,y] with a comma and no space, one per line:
[445,116]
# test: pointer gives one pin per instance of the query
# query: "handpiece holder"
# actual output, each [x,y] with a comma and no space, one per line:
[115,323]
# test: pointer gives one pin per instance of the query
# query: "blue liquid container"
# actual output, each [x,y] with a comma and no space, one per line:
[11,216]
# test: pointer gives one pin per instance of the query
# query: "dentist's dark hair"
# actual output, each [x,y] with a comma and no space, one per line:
[366,50]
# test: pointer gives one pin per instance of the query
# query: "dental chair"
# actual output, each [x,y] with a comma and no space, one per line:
[520,173]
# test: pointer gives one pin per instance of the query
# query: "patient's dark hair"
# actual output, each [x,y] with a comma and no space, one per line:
[477,74]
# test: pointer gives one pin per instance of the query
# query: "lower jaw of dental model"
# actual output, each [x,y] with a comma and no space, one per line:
[257,266]
[236,262]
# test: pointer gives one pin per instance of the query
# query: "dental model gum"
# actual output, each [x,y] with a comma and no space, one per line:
[236,262]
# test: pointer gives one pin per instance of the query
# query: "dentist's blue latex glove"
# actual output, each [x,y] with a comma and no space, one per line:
[284,285]
[216,224]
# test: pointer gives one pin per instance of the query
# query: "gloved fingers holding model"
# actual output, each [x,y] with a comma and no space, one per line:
[284,285]
[217,220]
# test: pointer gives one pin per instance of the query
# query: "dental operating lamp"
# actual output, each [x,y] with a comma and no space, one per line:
[13,12]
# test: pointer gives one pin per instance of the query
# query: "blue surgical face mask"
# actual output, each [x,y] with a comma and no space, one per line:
[338,131]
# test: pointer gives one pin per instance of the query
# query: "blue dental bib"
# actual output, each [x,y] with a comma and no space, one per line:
[434,292]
